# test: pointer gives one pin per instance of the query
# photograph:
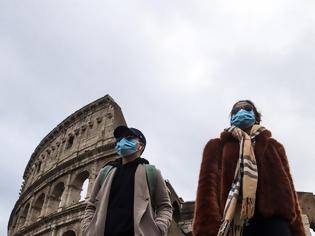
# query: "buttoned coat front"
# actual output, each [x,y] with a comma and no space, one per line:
[147,222]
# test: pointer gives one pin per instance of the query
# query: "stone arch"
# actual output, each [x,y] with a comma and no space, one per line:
[77,184]
[23,215]
[55,197]
[69,233]
[37,207]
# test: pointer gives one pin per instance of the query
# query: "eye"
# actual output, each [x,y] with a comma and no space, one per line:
[248,107]
[235,110]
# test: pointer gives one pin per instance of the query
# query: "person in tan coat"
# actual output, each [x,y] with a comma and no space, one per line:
[122,203]
[245,185]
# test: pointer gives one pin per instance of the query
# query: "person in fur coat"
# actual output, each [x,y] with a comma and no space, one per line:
[245,186]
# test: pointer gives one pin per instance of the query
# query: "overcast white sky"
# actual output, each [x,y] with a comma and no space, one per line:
[174,67]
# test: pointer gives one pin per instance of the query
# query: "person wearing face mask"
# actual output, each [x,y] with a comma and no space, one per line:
[122,202]
[245,187]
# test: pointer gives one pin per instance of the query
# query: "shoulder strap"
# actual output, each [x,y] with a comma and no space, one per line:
[103,173]
[150,171]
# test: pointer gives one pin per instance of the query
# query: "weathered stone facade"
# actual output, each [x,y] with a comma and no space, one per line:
[307,202]
[73,152]
[49,202]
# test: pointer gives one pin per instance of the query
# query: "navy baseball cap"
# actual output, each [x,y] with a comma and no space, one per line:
[123,131]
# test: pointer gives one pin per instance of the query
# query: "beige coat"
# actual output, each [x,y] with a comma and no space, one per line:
[146,222]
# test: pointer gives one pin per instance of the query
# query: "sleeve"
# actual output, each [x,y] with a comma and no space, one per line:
[90,207]
[163,205]
[207,215]
[296,223]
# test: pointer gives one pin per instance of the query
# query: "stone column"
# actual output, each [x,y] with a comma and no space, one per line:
[43,210]
[66,193]
[29,212]
[53,230]
[32,176]
[46,207]
[44,163]
[92,177]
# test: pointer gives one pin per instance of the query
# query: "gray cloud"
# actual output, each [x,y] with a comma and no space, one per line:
[174,68]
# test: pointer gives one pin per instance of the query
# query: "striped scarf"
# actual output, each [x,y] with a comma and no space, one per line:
[240,205]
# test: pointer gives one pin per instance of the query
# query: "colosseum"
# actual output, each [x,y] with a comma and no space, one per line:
[52,200]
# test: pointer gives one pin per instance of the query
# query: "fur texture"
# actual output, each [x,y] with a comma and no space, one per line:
[275,195]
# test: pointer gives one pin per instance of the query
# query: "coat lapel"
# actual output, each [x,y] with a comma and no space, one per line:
[102,199]
[141,195]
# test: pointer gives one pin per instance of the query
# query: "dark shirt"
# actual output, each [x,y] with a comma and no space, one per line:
[119,219]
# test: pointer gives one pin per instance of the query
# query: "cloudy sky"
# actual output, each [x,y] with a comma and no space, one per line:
[174,67]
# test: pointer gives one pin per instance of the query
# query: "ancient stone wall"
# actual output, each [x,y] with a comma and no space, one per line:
[51,201]
[72,153]
[307,202]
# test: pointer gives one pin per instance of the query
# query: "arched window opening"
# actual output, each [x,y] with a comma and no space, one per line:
[70,141]
[37,207]
[69,233]
[79,187]
[23,215]
[84,189]
[55,197]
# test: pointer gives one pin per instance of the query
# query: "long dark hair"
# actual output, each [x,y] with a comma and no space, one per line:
[257,114]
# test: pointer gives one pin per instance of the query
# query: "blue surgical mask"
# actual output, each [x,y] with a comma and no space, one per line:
[126,147]
[243,119]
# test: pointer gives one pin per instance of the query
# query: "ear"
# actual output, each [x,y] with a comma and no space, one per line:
[140,147]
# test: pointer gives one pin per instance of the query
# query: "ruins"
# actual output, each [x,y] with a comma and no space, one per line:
[51,201]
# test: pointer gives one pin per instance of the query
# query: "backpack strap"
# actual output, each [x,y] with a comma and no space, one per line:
[103,173]
[150,171]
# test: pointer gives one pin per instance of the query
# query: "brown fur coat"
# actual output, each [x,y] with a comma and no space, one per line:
[275,195]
